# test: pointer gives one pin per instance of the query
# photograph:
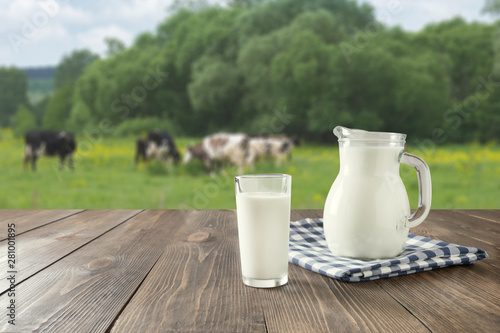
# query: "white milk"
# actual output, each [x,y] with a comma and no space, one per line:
[367,207]
[263,230]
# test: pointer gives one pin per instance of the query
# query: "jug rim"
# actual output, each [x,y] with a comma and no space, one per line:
[346,134]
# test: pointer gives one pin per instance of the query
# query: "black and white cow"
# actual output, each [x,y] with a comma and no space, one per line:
[277,147]
[49,143]
[159,145]
[219,148]
[140,150]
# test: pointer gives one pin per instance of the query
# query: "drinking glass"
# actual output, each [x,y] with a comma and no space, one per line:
[263,211]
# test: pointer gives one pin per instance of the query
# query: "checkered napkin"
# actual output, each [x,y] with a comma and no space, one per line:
[308,249]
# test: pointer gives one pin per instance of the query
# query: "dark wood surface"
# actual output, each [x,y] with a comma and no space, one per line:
[179,271]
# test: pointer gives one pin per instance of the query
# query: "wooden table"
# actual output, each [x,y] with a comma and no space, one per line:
[171,270]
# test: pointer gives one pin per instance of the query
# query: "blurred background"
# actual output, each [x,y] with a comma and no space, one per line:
[110,72]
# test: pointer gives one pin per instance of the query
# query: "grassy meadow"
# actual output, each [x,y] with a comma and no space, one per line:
[105,176]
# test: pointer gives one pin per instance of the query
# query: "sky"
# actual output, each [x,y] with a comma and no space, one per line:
[40,32]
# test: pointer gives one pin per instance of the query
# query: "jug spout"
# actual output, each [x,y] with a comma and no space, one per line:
[361,137]
[342,132]
[339,131]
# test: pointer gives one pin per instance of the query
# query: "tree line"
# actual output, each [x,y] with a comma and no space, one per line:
[320,63]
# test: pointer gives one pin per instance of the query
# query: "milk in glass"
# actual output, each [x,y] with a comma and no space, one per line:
[263,230]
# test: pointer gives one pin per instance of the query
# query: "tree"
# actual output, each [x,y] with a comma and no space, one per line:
[71,67]
[58,109]
[191,5]
[80,118]
[39,109]
[214,92]
[289,68]
[270,16]
[60,103]
[23,121]
[384,87]
[114,46]
[210,68]
[13,87]
[465,50]
[300,75]
[244,3]
[492,6]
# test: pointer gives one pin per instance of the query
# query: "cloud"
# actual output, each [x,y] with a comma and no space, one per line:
[32,30]
[65,25]
[414,15]
[94,38]
[18,9]
[72,15]
[138,9]
[135,15]
[46,48]
[35,11]
[14,13]
[52,32]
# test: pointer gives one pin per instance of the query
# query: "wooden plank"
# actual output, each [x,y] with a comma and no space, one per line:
[484,274]
[205,293]
[439,297]
[460,229]
[120,281]
[357,311]
[196,284]
[463,230]
[299,214]
[26,220]
[444,302]
[479,282]
[316,303]
[473,226]
[86,290]
[40,248]
[491,215]
[10,213]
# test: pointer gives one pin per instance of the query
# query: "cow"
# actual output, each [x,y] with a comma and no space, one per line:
[49,143]
[277,147]
[159,145]
[140,152]
[217,149]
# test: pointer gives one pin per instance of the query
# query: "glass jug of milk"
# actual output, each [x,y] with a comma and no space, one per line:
[367,212]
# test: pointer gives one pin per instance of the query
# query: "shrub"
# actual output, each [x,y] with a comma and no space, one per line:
[24,120]
[141,126]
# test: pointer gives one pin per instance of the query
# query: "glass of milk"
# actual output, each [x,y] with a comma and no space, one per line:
[263,210]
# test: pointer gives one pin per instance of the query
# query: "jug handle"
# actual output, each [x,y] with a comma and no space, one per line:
[424,188]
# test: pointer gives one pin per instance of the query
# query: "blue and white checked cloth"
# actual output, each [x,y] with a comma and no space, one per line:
[308,249]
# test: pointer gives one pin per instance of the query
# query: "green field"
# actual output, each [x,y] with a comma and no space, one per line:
[105,176]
